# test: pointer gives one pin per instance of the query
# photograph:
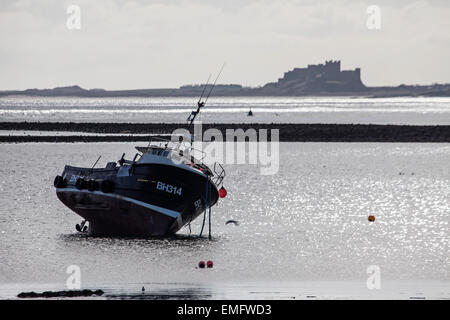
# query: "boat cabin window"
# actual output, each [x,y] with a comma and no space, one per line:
[160,152]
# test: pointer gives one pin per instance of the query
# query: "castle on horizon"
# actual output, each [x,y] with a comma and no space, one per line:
[315,80]
[319,77]
[330,71]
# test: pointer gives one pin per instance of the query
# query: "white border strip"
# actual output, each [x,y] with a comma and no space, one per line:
[167,212]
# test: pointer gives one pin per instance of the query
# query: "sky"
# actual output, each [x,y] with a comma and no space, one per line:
[164,44]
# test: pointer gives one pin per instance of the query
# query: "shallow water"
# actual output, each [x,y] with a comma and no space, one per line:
[402,110]
[308,223]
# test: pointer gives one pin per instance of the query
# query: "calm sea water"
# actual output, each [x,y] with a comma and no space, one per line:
[421,111]
[302,229]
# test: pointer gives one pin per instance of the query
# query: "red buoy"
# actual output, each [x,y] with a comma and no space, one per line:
[209,264]
[222,192]
[201,264]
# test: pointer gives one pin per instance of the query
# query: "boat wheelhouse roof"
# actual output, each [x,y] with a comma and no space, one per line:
[179,150]
[175,154]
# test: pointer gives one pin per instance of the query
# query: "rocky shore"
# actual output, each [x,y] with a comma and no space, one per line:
[61,294]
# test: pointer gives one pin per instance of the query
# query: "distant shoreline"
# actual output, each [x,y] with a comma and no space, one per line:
[325,79]
[436,90]
[126,132]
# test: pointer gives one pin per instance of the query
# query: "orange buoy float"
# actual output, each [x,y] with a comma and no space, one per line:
[223,192]
[371,218]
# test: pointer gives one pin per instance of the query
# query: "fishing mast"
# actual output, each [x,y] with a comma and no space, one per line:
[200,103]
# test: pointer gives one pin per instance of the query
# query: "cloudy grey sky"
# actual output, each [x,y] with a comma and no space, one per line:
[156,44]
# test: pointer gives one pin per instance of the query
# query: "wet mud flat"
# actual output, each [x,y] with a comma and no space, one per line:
[259,290]
[126,132]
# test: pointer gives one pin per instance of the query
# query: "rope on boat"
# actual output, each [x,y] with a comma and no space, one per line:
[206,208]
[209,213]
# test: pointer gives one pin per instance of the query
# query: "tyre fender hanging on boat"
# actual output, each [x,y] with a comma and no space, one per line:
[92,185]
[59,182]
[107,186]
[80,184]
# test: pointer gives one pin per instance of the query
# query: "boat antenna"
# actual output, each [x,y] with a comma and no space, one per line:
[96,162]
[204,89]
[200,103]
[214,84]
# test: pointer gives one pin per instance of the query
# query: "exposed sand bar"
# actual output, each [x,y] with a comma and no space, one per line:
[117,132]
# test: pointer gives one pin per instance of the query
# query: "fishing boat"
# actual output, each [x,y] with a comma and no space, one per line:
[156,193]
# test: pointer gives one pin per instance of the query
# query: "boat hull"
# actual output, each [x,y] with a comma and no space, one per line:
[109,214]
[140,203]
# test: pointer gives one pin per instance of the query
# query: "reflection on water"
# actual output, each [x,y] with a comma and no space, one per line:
[263,290]
[400,110]
[177,240]
[309,222]
[161,292]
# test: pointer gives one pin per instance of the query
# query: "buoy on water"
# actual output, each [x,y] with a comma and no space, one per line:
[210,264]
[371,218]
[201,264]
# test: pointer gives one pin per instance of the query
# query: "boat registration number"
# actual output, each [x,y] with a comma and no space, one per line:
[168,188]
